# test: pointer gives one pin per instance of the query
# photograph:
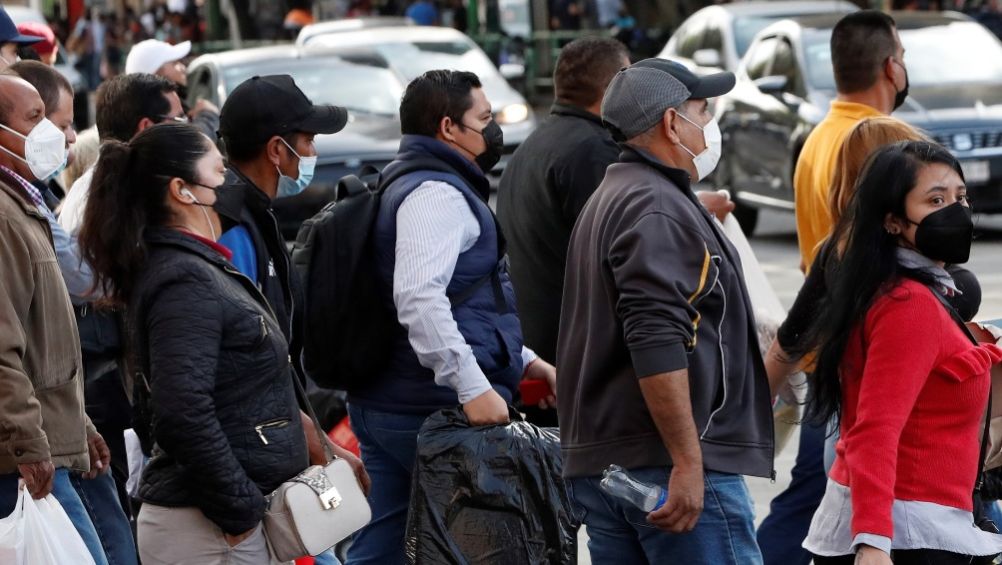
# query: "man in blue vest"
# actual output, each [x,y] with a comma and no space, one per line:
[440,261]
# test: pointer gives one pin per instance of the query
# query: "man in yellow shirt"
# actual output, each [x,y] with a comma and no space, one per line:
[871,80]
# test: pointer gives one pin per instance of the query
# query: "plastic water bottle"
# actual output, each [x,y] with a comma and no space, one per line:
[617,482]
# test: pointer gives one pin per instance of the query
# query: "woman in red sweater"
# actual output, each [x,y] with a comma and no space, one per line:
[908,387]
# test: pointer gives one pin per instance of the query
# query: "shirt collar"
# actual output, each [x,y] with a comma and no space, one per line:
[30,189]
[854,110]
[678,176]
[911,259]
[561,109]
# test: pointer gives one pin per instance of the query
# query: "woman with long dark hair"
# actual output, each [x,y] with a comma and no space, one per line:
[907,386]
[225,421]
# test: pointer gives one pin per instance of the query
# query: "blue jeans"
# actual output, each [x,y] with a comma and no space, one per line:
[68,498]
[783,531]
[389,444]
[618,532]
[100,498]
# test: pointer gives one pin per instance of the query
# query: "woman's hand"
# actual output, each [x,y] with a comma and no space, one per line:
[868,555]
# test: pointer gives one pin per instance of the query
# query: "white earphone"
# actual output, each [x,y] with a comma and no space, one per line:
[186,192]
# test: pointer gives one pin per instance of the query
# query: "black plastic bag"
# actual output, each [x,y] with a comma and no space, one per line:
[490,495]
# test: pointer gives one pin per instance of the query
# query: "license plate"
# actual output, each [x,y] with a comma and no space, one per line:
[976,172]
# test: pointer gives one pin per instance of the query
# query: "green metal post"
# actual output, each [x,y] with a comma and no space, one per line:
[214,19]
[473,18]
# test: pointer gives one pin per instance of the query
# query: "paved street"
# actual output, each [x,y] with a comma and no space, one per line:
[775,245]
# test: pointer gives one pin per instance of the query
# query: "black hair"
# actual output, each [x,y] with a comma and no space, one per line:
[128,194]
[240,149]
[49,82]
[433,96]
[585,68]
[123,102]
[861,43]
[868,266]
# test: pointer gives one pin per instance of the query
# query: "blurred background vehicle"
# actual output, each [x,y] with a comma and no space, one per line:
[785,84]
[717,37]
[412,50]
[357,78]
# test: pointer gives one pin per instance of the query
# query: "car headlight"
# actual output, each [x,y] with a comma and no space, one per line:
[513,114]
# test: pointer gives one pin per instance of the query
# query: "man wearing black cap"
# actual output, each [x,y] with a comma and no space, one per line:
[268,126]
[11,39]
[659,371]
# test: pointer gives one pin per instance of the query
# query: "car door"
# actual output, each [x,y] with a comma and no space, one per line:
[688,40]
[781,122]
[745,122]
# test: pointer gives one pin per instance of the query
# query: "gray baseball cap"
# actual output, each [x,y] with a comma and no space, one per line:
[639,95]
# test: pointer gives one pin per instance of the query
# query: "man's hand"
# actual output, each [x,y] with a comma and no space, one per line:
[234,541]
[718,203]
[486,409]
[356,465]
[867,555]
[203,106]
[541,370]
[685,501]
[100,456]
[38,477]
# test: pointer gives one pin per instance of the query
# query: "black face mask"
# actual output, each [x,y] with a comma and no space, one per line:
[494,138]
[229,202]
[901,95]
[946,234]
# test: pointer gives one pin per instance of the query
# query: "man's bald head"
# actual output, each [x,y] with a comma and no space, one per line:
[21,108]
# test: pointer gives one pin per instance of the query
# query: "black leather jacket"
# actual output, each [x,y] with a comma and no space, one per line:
[225,418]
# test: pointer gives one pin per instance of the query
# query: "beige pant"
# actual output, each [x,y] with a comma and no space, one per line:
[184,536]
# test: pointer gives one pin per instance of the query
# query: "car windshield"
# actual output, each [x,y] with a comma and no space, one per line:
[413,58]
[745,29]
[360,88]
[938,54]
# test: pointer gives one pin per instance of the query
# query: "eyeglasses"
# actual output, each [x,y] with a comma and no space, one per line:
[182,119]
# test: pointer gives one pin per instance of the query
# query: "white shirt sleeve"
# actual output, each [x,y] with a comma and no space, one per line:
[434,225]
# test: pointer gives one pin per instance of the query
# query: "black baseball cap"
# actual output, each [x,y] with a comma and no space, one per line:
[262,107]
[10,34]
[700,87]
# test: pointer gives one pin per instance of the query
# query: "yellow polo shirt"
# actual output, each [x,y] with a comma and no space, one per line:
[815,168]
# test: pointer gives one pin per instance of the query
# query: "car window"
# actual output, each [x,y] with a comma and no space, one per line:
[359,88]
[713,38]
[760,58]
[690,38]
[784,63]
[200,85]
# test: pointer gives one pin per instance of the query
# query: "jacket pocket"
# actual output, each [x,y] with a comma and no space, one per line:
[271,427]
[62,408]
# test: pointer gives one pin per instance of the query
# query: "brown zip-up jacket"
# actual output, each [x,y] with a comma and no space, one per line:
[41,374]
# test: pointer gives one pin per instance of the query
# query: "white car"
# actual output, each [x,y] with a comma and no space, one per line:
[412,50]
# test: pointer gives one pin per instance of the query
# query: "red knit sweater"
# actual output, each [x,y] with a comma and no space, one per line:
[914,390]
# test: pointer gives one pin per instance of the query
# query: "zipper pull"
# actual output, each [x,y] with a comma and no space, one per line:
[264,326]
[772,477]
[260,433]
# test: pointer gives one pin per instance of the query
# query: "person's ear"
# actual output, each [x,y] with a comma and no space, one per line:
[670,121]
[889,70]
[179,191]
[274,149]
[143,124]
[894,225]
[448,129]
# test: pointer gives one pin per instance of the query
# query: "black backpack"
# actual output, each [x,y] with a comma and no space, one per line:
[348,327]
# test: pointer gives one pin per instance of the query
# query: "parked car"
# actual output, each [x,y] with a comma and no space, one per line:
[358,79]
[717,37]
[785,85]
[351,24]
[413,50]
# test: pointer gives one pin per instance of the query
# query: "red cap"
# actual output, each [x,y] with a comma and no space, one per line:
[48,43]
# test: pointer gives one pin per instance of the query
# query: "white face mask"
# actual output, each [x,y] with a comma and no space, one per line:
[44,148]
[707,160]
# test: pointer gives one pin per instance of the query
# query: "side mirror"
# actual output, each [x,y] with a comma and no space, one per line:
[773,84]
[511,71]
[707,58]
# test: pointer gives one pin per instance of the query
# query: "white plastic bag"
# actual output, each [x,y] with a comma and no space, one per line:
[39,532]
[769,315]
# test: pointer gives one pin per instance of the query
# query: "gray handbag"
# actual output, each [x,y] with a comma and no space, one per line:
[316,509]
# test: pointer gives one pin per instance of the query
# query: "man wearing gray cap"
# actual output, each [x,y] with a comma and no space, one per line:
[659,371]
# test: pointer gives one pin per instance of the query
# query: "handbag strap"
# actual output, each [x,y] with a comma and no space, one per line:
[305,401]
[988,411]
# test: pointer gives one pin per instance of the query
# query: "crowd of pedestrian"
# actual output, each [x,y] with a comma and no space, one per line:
[153,318]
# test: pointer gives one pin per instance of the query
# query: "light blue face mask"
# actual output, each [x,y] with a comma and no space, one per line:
[290,187]
[59,169]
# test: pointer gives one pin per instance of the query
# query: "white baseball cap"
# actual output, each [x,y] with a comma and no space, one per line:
[149,55]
